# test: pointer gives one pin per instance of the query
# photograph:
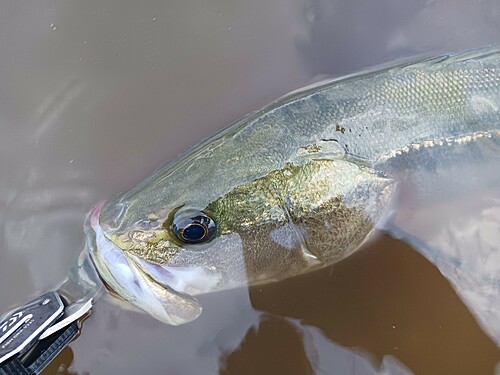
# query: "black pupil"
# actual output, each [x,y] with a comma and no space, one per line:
[193,227]
[194,232]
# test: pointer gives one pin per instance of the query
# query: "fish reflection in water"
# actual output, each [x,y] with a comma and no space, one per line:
[302,184]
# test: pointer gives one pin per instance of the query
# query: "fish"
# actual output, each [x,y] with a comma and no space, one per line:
[293,187]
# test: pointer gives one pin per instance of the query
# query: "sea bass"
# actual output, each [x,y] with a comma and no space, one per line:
[290,188]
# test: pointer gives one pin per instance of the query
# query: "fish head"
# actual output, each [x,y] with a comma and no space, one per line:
[158,253]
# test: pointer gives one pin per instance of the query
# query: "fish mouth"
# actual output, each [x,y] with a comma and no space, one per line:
[162,291]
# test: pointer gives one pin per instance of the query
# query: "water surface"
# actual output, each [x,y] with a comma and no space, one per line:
[95,95]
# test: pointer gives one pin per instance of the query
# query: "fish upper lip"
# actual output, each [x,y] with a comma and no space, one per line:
[94,213]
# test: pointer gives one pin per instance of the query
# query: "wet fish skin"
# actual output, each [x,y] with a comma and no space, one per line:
[295,186]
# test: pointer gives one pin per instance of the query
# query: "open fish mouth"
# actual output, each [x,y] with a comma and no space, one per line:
[162,291]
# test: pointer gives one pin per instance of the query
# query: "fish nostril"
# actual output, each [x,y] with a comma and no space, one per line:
[150,222]
[112,215]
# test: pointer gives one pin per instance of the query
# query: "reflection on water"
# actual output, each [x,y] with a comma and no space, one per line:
[388,300]
[385,307]
[344,36]
[91,106]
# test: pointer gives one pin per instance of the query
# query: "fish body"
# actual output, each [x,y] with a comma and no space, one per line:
[295,186]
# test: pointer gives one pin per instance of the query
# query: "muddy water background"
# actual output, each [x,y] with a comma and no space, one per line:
[95,95]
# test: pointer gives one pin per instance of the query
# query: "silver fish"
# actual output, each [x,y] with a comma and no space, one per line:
[293,187]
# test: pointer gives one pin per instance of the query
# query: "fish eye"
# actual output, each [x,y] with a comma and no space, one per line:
[193,227]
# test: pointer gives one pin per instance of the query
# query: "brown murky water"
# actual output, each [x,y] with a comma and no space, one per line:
[386,300]
[95,95]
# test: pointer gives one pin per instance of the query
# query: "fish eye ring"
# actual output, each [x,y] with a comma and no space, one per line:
[194,227]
